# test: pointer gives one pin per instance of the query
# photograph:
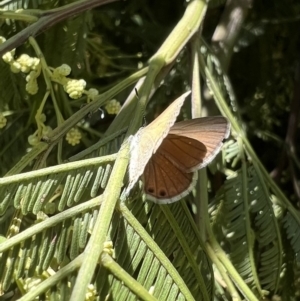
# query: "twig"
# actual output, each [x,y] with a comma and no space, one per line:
[228,29]
[48,19]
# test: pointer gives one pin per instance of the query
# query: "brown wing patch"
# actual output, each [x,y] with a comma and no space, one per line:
[184,152]
[164,182]
[210,131]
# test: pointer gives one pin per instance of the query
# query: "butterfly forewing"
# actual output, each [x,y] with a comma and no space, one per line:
[210,131]
[160,127]
[184,152]
[192,127]
[146,141]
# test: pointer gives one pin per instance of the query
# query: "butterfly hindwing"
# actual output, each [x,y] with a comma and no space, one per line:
[190,145]
[164,182]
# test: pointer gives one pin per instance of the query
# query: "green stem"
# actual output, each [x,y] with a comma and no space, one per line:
[61,130]
[230,286]
[18,16]
[183,31]
[53,280]
[154,68]
[261,171]
[167,53]
[48,223]
[96,146]
[201,188]
[159,254]
[95,245]
[247,222]
[62,168]
[26,159]
[186,249]
[126,279]
[49,18]
[214,245]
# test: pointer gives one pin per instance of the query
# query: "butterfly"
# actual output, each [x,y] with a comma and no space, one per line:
[167,155]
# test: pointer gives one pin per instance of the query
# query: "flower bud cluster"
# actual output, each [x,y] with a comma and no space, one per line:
[26,64]
[73,136]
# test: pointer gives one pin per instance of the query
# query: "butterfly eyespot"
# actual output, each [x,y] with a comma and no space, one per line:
[150,190]
[162,193]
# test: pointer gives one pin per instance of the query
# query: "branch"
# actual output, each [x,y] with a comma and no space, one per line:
[228,29]
[48,19]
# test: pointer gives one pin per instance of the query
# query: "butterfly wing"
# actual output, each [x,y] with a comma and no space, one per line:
[189,146]
[209,131]
[164,182]
[147,140]
[159,128]
[184,152]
